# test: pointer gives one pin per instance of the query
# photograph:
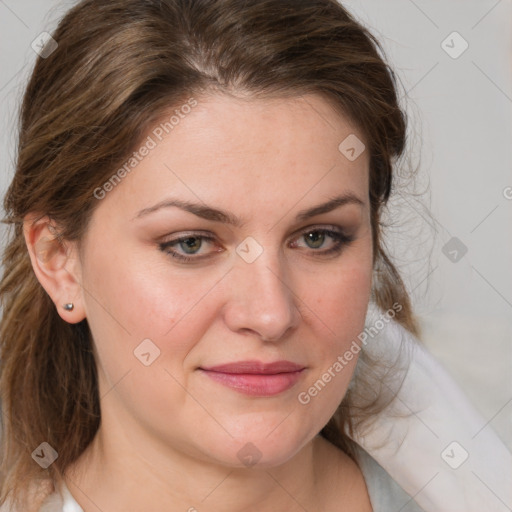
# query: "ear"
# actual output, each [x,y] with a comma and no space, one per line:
[56,265]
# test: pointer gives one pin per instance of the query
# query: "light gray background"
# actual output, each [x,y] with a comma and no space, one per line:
[460,133]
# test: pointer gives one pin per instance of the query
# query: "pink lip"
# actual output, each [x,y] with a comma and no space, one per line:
[256,378]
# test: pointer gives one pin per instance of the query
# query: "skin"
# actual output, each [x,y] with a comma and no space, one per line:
[170,435]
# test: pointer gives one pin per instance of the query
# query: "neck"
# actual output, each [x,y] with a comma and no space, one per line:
[115,474]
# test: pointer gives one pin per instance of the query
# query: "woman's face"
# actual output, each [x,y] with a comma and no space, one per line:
[269,280]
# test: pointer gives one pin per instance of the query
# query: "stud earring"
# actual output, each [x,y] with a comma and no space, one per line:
[69,306]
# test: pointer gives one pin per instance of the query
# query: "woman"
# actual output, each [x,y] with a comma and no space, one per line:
[196,244]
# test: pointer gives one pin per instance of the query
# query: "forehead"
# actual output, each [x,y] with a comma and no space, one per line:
[248,150]
[300,123]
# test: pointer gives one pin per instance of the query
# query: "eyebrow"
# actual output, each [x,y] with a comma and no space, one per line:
[218,215]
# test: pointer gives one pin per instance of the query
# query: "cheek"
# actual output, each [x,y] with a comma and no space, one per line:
[128,301]
[340,301]
[340,298]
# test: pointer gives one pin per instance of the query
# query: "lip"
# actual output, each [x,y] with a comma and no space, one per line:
[256,378]
[254,366]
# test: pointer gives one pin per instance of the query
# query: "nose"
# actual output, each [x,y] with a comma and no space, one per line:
[261,300]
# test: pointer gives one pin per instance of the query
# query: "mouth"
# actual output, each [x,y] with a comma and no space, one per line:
[256,378]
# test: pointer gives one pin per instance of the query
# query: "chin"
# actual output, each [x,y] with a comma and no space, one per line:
[258,449]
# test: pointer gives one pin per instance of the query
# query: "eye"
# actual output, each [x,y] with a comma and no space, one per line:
[189,248]
[190,245]
[315,238]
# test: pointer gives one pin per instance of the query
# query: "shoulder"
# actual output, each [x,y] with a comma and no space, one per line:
[385,494]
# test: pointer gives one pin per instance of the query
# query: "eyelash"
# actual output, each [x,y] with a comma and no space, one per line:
[340,241]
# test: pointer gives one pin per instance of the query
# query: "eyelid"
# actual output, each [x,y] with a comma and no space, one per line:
[319,227]
[164,245]
[208,235]
[338,234]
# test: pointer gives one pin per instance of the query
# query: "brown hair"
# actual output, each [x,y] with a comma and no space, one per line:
[118,66]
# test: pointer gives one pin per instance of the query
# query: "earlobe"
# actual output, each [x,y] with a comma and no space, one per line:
[56,266]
